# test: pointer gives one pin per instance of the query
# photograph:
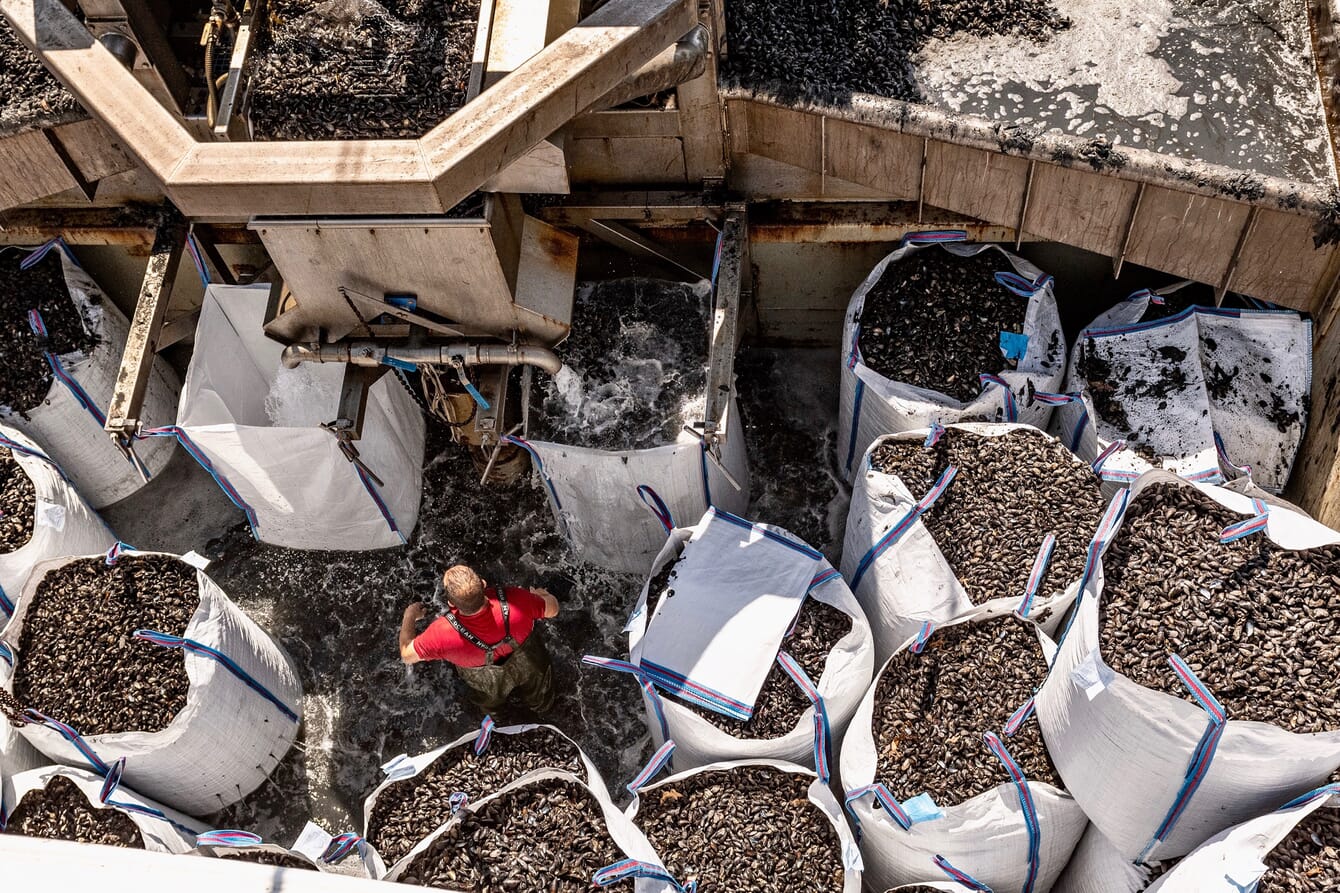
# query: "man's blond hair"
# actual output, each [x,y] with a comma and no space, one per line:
[464,588]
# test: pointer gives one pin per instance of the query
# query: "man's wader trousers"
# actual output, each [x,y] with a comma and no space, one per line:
[526,672]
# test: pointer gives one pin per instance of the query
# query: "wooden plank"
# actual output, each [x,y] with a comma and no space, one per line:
[737,128]
[627,123]
[93,150]
[704,122]
[763,178]
[1186,235]
[985,185]
[544,170]
[1315,483]
[791,137]
[42,171]
[1280,263]
[885,161]
[1080,208]
[611,162]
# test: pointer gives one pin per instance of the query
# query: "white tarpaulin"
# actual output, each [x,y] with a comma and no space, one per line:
[594,493]
[872,405]
[63,523]
[298,487]
[69,423]
[1205,393]
[1135,758]
[242,712]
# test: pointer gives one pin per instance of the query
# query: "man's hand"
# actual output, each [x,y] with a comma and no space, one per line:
[413,614]
[550,602]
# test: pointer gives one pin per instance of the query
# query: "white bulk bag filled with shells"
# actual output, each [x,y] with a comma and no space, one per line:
[627,838]
[871,405]
[819,794]
[988,835]
[1234,860]
[1097,867]
[403,767]
[844,679]
[315,849]
[71,433]
[297,487]
[63,522]
[899,575]
[1206,393]
[164,830]
[242,712]
[594,493]
[1124,751]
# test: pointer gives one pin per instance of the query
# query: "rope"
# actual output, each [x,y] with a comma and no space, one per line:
[435,394]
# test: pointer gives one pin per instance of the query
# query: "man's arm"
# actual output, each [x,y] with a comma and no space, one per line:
[411,616]
[550,603]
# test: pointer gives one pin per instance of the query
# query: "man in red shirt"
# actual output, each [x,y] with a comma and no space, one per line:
[489,634]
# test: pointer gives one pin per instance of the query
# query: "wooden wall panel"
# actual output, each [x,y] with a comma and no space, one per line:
[1079,207]
[619,160]
[93,150]
[785,135]
[1186,235]
[985,185]
[41,170]
[886,161]
[1279,263]
[1315,485]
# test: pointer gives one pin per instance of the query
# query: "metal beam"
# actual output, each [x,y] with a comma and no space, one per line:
[132,380]
[733,277]
[228,123]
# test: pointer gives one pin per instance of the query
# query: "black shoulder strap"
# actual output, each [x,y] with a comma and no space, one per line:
[470,637]
[506,618]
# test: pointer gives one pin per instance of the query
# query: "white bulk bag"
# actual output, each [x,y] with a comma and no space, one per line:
[631,841]
[314,846]
[1097,867]
[1255,362]
[164,830]
[404,767]
[16,754]
[895,567]
[871,405]
[69,423]
[987,836]
[1124,751]
[594,493]
[295,484]
[242,710]
[63,523]
[1234,860]
[819,794]
[840,687]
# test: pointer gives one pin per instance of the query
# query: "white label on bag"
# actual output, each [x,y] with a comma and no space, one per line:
[1093,676]
[50,515]
[312,842]
[195,560]
[399,767]
[851,857]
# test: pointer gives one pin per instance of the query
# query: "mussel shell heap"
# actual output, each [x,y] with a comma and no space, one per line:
[60,811]
[1011,490]
[1308,859]
[547,837]
[408,811]
[1258,624]
[78,658]
[934,321]
[745,828]
[932,709]
[27,375]
[18,502]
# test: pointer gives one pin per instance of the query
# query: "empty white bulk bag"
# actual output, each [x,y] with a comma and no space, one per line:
[69,423]
[871,405]
[293,481]
[1138,760]
[818,794]
[1234,860]
[837,691]
[63,522]
[640,862]
[242,712]
[1243,381]
[164,830]
[991,836]
[900,576]
[594,493]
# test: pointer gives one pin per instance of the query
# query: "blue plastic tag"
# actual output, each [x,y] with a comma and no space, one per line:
[1013,345]
[408,302]
[922,808]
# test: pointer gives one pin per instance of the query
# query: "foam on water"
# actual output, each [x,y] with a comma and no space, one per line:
[304,397]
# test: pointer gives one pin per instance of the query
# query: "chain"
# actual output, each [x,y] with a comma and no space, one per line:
[12,709]
[435,392]
[344,293]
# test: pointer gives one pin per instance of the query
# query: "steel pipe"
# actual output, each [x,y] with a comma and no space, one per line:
[370,353]
[684,61]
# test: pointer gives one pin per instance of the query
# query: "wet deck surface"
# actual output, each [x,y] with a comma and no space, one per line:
[337,613]
[1229,82]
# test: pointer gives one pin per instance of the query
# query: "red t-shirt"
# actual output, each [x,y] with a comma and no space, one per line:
[440,641]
